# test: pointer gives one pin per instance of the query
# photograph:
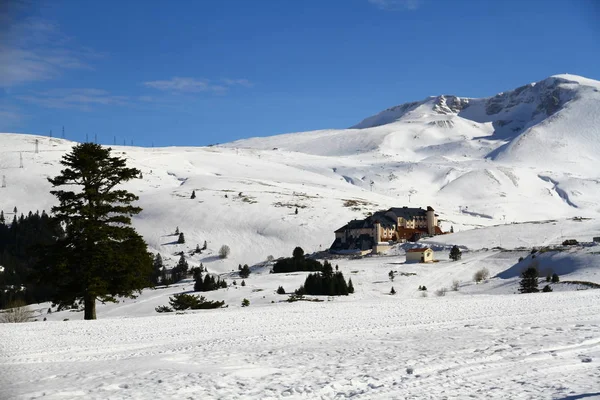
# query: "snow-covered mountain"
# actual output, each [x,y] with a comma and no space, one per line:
[522,155]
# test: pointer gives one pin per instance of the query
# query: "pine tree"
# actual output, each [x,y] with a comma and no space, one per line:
[177,231]
[391,275]
[101,255]
[452,229]
[157,269]
[244,271]
[2,220]
[296,211]
[529,281]
[555,278]
[181,238]
[205,246]
[546,289]
[198,250]
[393,291]
[243,283]
[280,290]
[350,286]
[193,194]
[455,253]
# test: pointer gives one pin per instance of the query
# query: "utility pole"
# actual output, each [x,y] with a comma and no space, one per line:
[37,146]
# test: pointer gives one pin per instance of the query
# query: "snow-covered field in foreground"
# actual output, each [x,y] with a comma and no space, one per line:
[538,346]
[482,341]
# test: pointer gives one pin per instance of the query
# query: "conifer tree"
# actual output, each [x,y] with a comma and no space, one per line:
[157,268]
[2,220]
[181,238]
[193,195]
[529,281]
[391,275]
[455,253]
[350,286]
[244,271]
[205,245]
[393,291]
[101,255]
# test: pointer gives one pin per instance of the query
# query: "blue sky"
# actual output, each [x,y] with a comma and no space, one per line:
[212,71]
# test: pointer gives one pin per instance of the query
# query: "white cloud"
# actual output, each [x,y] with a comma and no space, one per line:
[193,85]
[35,50]
[82,99]
[397,4]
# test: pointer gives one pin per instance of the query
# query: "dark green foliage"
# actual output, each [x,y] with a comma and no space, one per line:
[570,242]
[163,309]
[529,281]
[350,286]
[193,194]
[555,278]
[197,272]
[198,249]
[297,263]
[391,276]
[157,269]
[423,288]
[209,283]
[101,256]
[181,239]
[180,271]
[20,245]
[548,278]
[546,288]
[243,283]
[205,245]
[184,301]
[393,291]
[280,290]
[455,253]
[321,284]
[298,253]
[520,259]
[244,271]
[245,303]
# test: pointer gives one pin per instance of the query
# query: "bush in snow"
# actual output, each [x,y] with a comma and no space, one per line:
[224,251]
[555,278]
[481,275]
[243,283]
[280,290]
[163,309]
[184,301]
[16,311]
[547,288]
[245,303]
[455,285]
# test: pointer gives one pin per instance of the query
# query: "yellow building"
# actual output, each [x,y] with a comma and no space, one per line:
[419,255]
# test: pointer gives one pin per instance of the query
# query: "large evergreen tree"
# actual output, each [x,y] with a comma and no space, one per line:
[101,255]
[157,269]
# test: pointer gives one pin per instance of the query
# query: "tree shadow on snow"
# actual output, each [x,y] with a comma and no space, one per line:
[580,396]
[210,259]
[173,242]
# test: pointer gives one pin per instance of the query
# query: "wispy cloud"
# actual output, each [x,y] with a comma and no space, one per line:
[397,4]
[82,99]
[33,49]
[193,85]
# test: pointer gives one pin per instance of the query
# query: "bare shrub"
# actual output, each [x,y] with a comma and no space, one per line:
[17,311]
[441,292]
[481,275]
[455,285]
[224,251]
